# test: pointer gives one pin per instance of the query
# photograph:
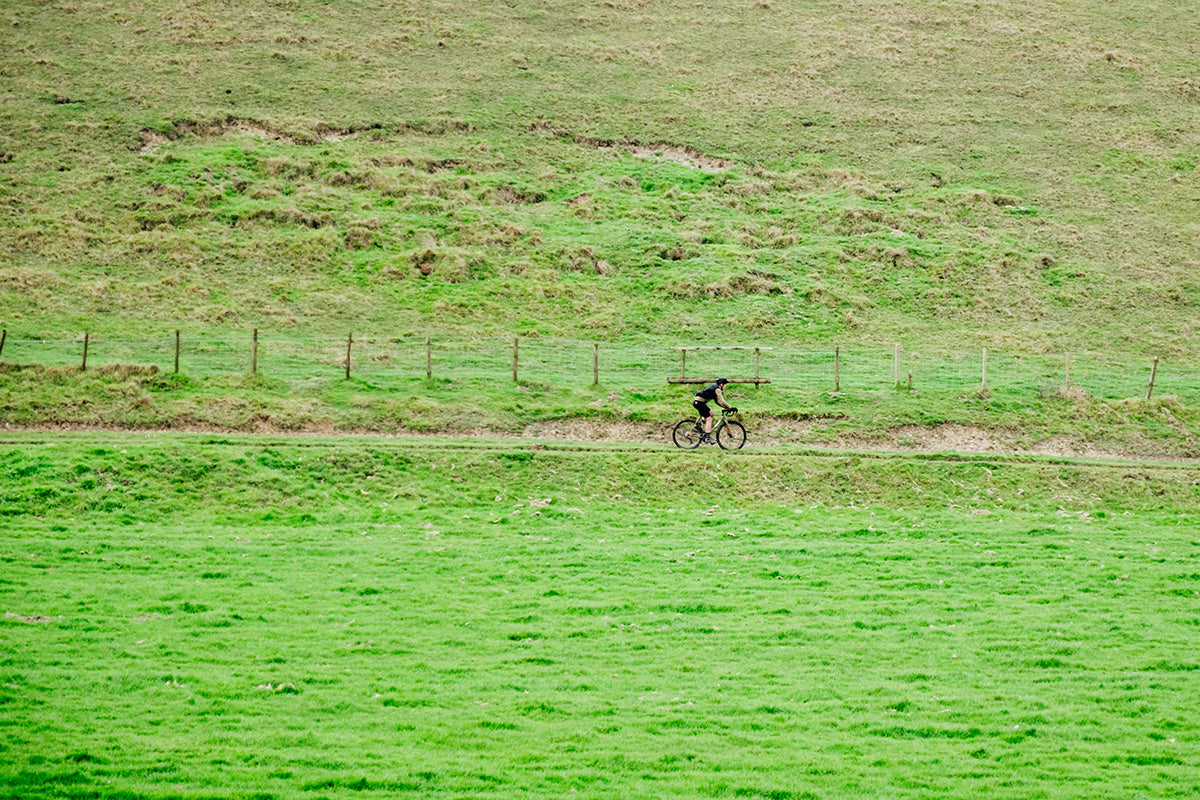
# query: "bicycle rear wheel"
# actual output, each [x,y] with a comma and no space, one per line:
[731,436]
[686,434]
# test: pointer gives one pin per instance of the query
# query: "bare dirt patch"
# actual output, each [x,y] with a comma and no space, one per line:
[969,439]
[574,430]
[664,150]
[681,155]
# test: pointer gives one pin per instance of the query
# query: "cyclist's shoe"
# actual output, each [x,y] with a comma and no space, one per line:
[707,439]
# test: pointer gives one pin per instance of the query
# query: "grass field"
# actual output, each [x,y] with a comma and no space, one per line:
[232,617]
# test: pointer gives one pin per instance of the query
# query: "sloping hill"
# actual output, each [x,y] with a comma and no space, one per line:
[1016,172]
[1020,176]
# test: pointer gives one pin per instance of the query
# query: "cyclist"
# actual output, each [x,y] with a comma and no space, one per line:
[705,396]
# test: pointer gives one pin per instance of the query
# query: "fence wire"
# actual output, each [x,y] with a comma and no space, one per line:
[637,366]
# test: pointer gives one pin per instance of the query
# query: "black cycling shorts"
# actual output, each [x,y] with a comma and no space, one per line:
[702,407]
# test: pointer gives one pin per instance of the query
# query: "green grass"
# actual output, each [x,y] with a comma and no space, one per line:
[354,618]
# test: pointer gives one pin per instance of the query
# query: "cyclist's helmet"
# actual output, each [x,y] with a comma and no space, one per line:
[722,381]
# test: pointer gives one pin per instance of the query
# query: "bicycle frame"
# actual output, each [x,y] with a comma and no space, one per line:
[729,434]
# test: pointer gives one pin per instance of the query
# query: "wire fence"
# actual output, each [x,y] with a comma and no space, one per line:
[567,362]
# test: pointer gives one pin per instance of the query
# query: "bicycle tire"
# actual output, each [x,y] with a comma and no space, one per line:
[731,436]
[686,434]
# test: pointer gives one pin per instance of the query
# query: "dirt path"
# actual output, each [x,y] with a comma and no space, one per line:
[763,432]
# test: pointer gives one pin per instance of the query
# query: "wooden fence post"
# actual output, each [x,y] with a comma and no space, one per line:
[254,353]
[86,337]
[428,357]
[1153,372]
[985,386]
[756,384]
[349,344]
[176,351]
[595,363]
[837,369]
[3,336]
[516,351]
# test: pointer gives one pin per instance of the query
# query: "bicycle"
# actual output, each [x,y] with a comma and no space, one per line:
[730,434]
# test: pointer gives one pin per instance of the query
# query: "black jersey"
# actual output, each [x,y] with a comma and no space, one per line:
[709,392]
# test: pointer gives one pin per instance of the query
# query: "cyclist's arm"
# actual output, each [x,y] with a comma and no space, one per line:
[721,399]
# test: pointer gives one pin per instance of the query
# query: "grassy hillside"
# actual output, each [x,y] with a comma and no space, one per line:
[1020,174]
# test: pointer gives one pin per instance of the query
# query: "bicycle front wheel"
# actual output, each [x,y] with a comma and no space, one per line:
[731,436]
[686,434]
